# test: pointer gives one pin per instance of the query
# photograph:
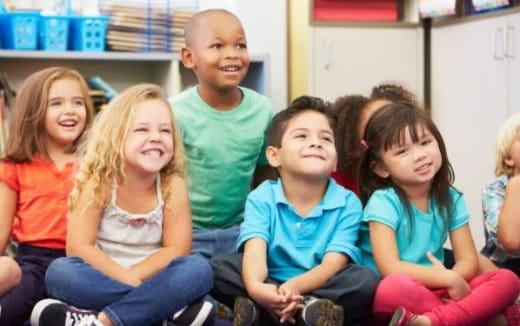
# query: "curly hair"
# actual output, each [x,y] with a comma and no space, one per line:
[348,111]
[394,93]
[27,134]
[103,162]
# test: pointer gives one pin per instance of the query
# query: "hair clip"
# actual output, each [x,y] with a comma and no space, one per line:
[364,144]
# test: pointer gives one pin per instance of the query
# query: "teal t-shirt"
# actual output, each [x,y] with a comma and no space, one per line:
[223,150]
[429,232]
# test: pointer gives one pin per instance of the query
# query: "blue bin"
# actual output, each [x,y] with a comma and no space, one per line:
[88,33]
[19,30]
[54,32]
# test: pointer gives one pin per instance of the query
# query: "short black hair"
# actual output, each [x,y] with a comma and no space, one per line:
[304,103]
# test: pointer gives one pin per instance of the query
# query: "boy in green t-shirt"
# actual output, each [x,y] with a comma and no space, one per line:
[223,127]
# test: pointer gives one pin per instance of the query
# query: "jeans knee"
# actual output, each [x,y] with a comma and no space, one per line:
[199,269]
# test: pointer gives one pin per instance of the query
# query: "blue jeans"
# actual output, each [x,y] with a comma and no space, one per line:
[207,243]
[75,282]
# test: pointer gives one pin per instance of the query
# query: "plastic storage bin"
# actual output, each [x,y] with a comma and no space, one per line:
[19,30]
[54,32]
[88,33]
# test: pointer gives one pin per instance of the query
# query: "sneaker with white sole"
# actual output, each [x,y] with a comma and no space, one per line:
[198,313]
[50,312]
[322,312]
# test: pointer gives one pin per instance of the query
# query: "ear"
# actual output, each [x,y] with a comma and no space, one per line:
[380,169]
[271,153]
[509,162]
[187,57]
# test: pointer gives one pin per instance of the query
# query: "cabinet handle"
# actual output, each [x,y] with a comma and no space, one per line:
[510,42]
[498,43]
[327,58]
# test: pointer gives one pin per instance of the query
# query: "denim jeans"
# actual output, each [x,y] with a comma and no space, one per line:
[75,282]
[207,243]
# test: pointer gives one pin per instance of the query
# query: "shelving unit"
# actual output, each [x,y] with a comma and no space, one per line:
[122,69]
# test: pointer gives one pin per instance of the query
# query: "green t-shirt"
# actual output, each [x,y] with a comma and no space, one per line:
[223,150]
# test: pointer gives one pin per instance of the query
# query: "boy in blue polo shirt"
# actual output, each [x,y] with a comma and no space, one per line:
[299,234]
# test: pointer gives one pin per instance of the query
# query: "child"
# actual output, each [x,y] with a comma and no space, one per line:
[128,260]
[50,114]
[222,126]
[353,112]
[500,200]
[411,207]
[299,233]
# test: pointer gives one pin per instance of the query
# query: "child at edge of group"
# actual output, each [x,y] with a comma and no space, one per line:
[50,114]
[299,233]
[353,112]
[223,128]
[411,208]
[129,261]
[500,200]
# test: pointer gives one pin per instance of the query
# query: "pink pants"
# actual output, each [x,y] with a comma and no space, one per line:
[490,294]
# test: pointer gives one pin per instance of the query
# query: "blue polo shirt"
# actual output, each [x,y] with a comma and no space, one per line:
[296,244]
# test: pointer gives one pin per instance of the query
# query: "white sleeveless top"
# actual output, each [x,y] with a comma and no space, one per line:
[129,238]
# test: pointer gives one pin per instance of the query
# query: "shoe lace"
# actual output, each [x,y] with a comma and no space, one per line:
[89,320]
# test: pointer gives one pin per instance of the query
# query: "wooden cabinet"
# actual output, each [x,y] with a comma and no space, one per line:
[353,59]
[475,87]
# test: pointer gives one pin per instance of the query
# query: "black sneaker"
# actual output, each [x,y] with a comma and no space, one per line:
[50,312]
[322,312]
[198,313]
[245,312]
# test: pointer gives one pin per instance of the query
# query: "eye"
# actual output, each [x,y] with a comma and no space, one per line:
[79,103]
[55,103]
[242,46]
[401,151]
[327,139]
[426,141]
[301,136]
[140,129]
[216,46]
[166,130]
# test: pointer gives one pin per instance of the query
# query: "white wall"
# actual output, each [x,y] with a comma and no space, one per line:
[265,23]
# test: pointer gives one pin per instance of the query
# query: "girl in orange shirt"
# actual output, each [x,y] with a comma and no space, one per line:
[51,113]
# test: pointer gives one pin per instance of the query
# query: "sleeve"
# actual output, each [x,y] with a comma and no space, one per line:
[346,233]
[460,215]
[257,222]
[9,176]
[492,200]
[384,206]
[262,159]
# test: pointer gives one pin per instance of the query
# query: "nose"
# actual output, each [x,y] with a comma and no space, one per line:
[231,52]
[315,142]
[155,136]
[419,153]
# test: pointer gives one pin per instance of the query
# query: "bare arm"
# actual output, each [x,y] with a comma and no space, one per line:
[466,261]
[316,277]
[386,256]
[177,233]
[82,230]
[8,200]
[509,219]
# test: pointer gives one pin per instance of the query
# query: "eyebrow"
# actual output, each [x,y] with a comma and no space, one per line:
[307,129]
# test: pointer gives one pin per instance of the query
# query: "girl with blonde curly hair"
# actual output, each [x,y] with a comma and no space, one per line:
[129,232]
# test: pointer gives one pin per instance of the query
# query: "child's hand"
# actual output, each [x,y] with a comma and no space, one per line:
[287,290]
[436,264]
[291,296]
[459,288]
[267,296]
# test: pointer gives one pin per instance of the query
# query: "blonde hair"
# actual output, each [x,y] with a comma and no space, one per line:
[103,162]
[27,134]
[506,136]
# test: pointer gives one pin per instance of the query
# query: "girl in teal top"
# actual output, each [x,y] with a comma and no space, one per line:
[411,209]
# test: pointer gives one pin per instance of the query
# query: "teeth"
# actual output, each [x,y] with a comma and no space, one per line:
[230,69]
[154,153]
[68,123]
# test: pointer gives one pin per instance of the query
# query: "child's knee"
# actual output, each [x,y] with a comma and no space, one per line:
[13,271]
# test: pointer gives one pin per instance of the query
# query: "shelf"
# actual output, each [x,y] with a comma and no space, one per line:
[96,56]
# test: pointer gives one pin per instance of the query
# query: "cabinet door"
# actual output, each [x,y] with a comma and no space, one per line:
[348,60]
[512,53]
[469,102]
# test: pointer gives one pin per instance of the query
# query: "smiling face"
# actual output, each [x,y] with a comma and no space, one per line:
[149,142]
[411,164]
[66,113]
[307,149]
[218,51]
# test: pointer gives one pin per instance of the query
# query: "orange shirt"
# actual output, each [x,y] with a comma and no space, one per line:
[40,216]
